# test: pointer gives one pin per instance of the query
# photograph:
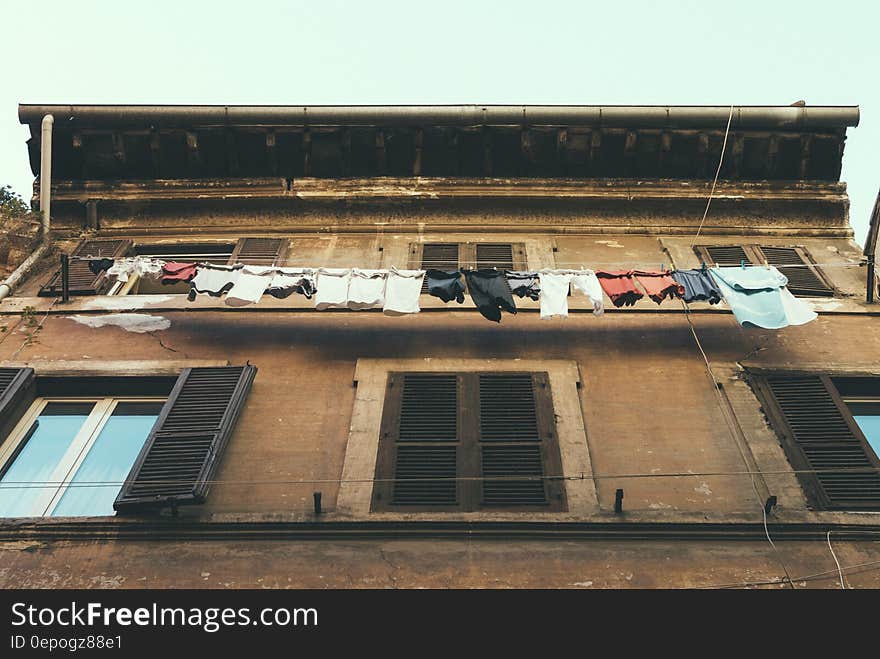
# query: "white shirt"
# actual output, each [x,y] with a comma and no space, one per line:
[332,290]
[250,285]
[402,291]
[366,289]
[555,287]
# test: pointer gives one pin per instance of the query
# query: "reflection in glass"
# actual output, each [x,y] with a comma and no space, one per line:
[24,482]
[108,461]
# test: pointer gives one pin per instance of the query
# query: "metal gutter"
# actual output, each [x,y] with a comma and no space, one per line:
[643,116]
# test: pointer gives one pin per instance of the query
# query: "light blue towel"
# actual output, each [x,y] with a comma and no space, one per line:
[758,297]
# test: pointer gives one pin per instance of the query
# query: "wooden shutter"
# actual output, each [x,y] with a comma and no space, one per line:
[184,447]
[724,255]
[259,251]
[419,444]
[439,256]
[494,431]
[804,278]
[17,392]
[81,280]
[495,255]
[821,436]
[517,440]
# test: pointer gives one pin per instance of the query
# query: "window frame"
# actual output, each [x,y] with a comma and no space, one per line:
[66,469]
[755,255]
[794,451]
[469,491]
[467,253]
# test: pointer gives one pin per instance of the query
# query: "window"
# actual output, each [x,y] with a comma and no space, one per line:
[804,277]
[70,456]
[181,253]
[82,281]
[468,441]
[93,454]
[829,427]
[453,256]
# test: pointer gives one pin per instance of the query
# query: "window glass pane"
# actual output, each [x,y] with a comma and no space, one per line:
[50,437]
[867,415]
[108,461]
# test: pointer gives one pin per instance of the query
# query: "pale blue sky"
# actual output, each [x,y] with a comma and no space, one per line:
[388,51]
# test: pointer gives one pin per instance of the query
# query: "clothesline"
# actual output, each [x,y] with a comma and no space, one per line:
[556,265]
[757,296]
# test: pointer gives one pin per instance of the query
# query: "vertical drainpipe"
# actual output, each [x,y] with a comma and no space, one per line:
[46,171]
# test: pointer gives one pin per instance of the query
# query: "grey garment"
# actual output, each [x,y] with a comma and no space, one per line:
[524,284]
[698,285]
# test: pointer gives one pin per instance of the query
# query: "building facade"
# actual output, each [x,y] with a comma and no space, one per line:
[274,445]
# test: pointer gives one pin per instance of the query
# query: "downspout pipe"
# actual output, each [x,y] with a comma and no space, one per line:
[45,203]
[10,282]
[46,172]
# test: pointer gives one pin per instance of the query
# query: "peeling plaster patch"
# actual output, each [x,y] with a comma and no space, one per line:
[124,302]
[703,489]
[608,243]
[582,584]
[130,322]
[831,305]
[660,506]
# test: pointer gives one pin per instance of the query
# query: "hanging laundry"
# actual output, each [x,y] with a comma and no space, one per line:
[620,287]
[587,283]
[402,290]
[174,273]
[445,284]
[287,281]
[332,285]
[758,297]
[698,286]
[97,266]
[490,292]
[555,287]
[213,280]
[125,267]
[366,289]
[251,284]
[659,284]
[524,284]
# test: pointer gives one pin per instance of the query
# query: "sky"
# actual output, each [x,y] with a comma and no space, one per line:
[387,52]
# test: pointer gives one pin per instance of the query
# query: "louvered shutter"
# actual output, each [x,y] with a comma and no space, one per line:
[259,251]
[420,442]
[822,437]
[516,440]
[437,256]
[183,450]
[81,280]
[803,277]
[491,255]
[726,255]
[17,391]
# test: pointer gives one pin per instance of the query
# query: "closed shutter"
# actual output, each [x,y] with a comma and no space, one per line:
[259,251]
[495,256]
[17,391]
[184,447]
[803,277]
[436,256]
[419,447]
[511,436]
[467,441]
[724,255]
[821,436]
[81,280]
